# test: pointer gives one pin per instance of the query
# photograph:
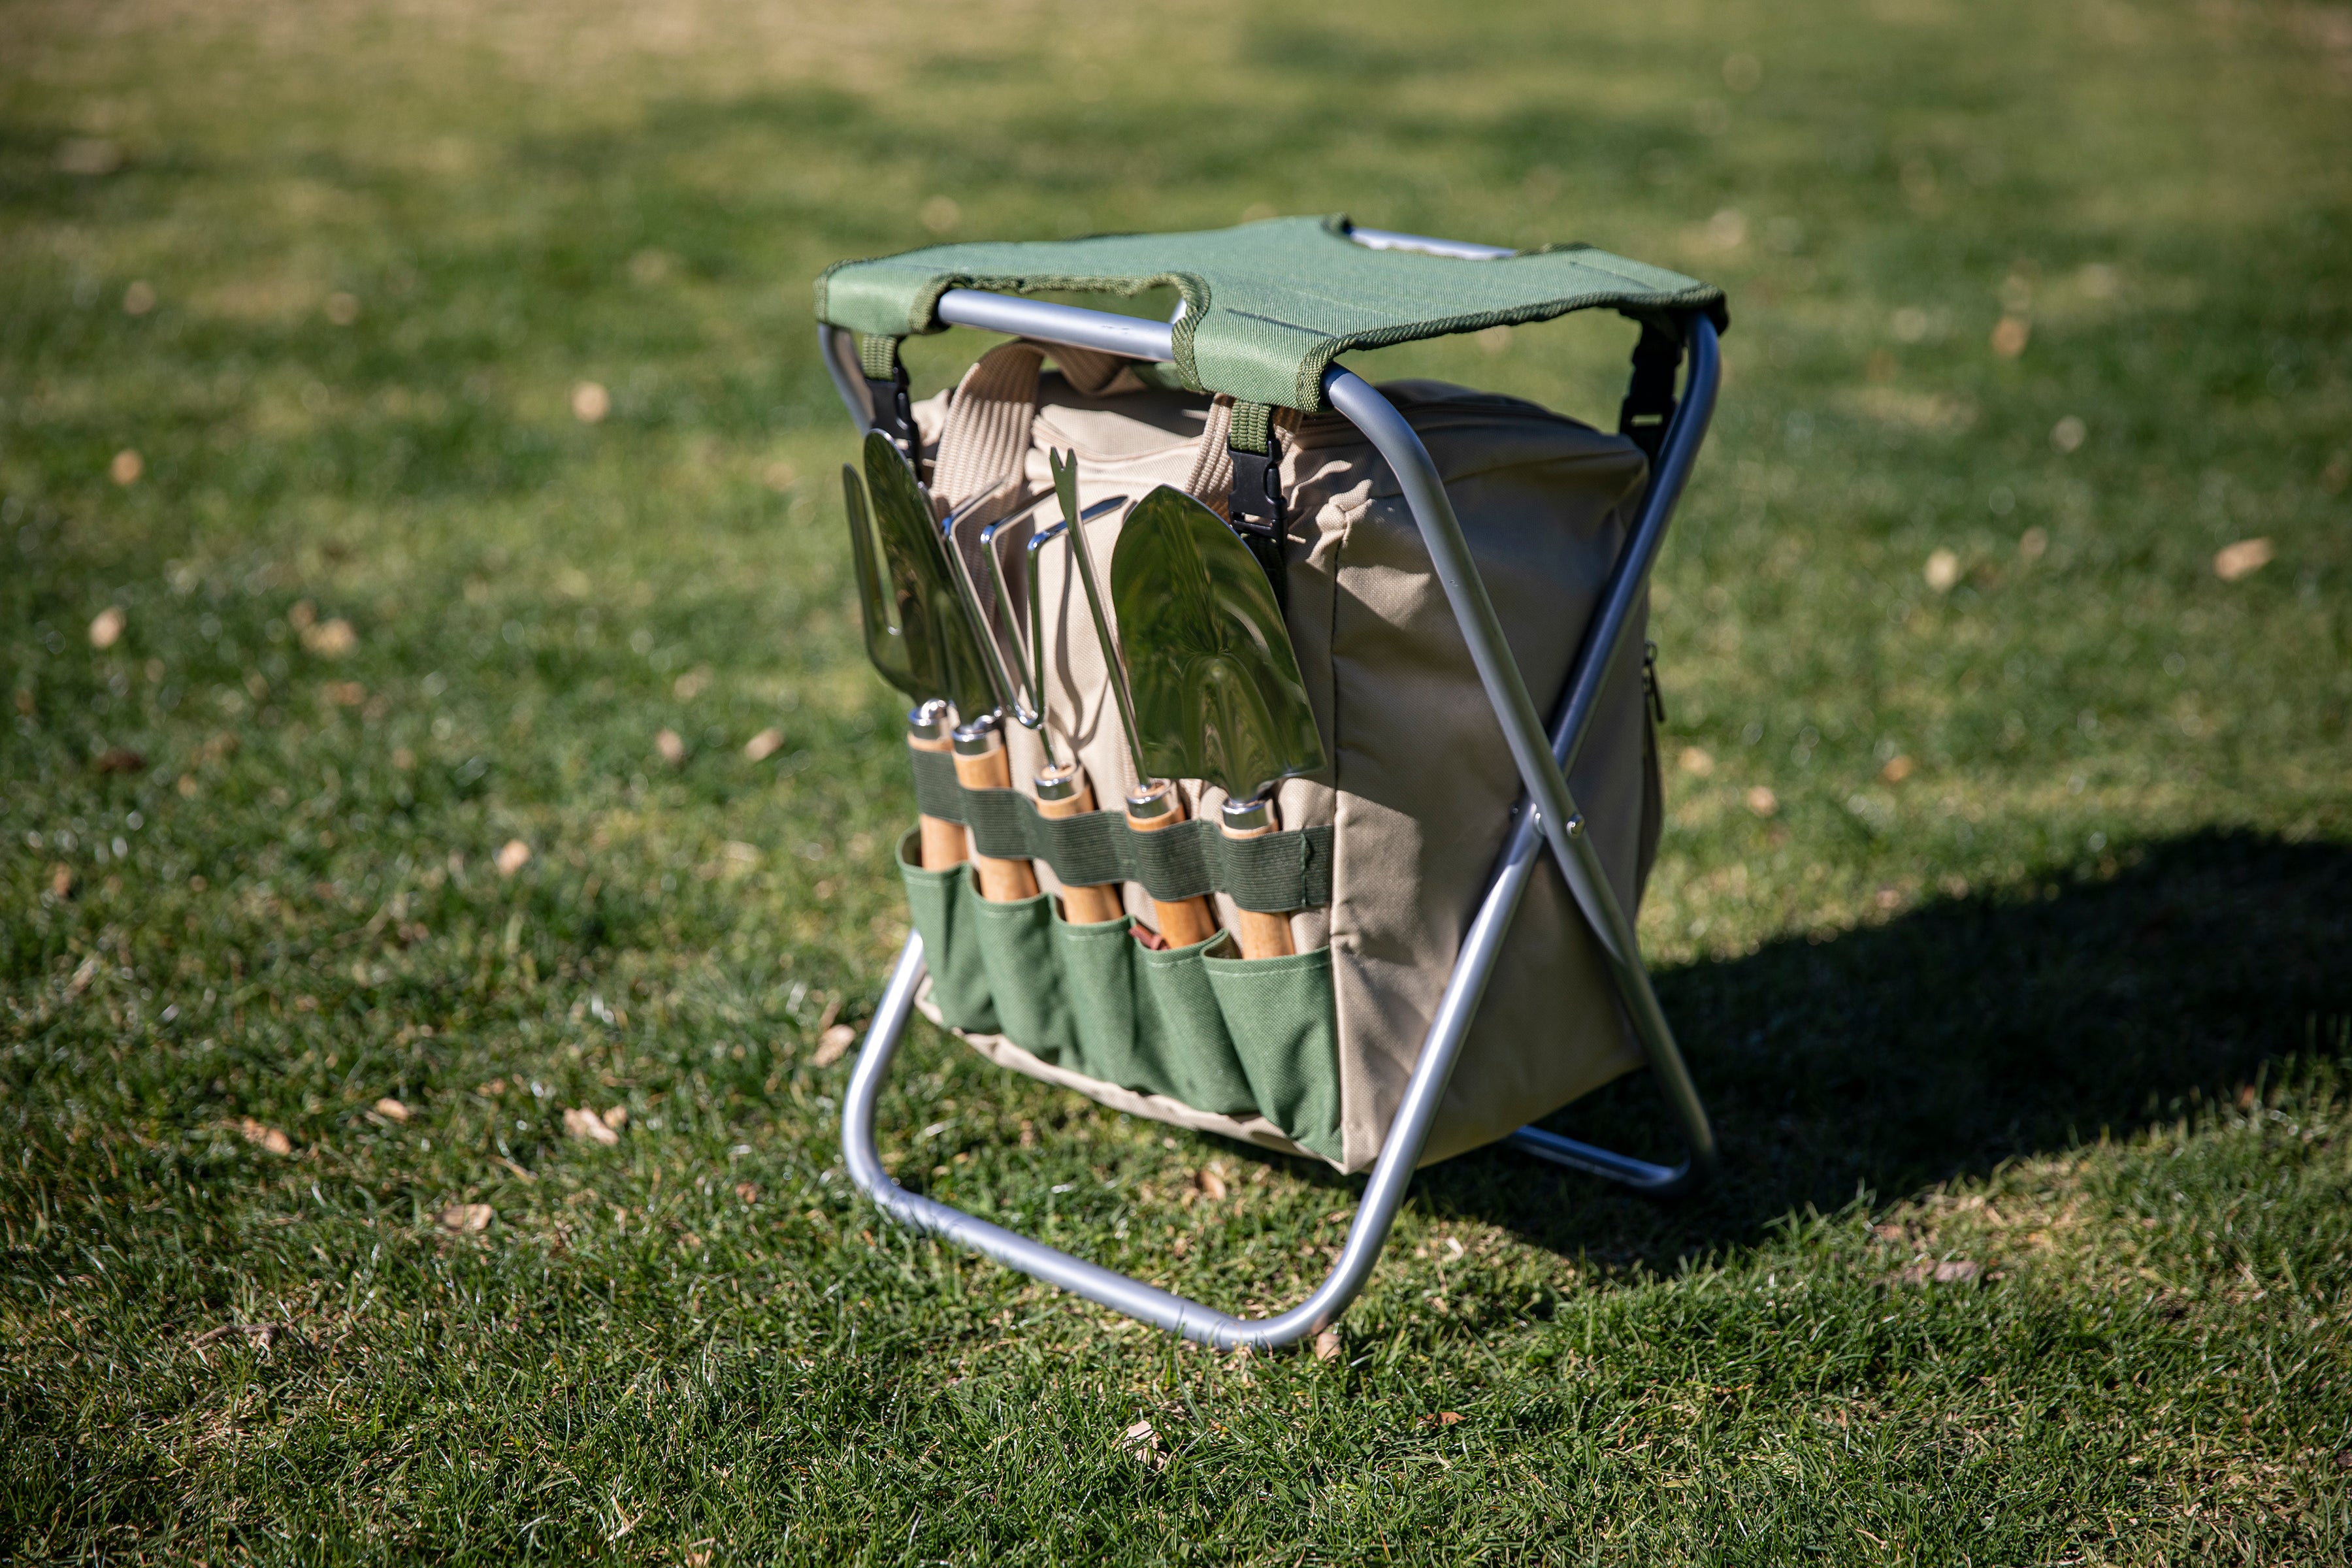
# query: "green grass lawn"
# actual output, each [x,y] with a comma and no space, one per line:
[2005,909]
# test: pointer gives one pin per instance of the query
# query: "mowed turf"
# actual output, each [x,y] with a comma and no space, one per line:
[2004,910]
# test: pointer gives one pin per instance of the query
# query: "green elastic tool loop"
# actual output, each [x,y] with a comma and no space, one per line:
[878,357]
[1272,873]
[1252,424]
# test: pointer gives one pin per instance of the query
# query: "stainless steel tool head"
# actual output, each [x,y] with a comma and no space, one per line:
[1217,690]
[886,644]
[1066,488]
[1028,694]
[942,647]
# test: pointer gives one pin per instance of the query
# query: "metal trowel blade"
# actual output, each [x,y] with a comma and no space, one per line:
[943,655]
[1218,695]
[886,645]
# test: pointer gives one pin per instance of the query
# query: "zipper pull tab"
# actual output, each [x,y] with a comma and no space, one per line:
[1649,681]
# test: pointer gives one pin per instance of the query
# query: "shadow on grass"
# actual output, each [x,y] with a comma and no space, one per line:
[1948,1040]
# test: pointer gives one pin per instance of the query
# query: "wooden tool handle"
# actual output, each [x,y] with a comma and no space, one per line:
[1187,921]
[944,844]
[1261,936]
[1001,881]
[1081,906]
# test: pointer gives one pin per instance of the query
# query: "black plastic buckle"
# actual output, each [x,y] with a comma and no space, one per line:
[1649,405]
[893,410]
[1257,505]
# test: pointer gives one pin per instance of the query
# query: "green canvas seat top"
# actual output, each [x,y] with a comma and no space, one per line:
[1269,305]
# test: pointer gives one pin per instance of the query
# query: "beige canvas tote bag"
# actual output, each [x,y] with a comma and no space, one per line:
[1311,1055]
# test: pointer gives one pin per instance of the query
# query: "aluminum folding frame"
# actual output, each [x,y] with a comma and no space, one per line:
[1545,819]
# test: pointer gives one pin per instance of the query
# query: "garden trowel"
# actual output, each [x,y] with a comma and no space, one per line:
[916,631]
[1217,690]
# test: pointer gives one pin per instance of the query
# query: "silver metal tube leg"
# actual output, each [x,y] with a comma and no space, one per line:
[1384,1191]
[840,355]
[1482,946]
[1542,766]
[1482,630]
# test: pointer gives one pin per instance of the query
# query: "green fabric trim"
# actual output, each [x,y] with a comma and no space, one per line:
[878,357]
[1253,422]
[959,976]
[1269,305]
[1238,1037]
[1274,874]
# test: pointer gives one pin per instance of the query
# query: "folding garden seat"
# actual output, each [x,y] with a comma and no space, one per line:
[1409,938]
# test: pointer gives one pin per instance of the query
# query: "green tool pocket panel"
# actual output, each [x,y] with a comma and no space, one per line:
[1016,954]
[1286,1030]
[951,949]
[1236,1037]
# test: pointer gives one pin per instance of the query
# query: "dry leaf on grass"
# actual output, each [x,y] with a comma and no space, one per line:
[616,1117]
[1212,1185]
[585,1124]
[122,759]
[1141,1442]
[263,1136]
[1951,1272]
[126,468]
[106,627]
[764,744]
[391,1109]
[2011,335]
[468,1219]
[1898,769]
[260,1334]
[1441,1418]
[2232,561]
[512,857]
[1942,571]
[1327,1345]
[330,639]
[833,1043]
